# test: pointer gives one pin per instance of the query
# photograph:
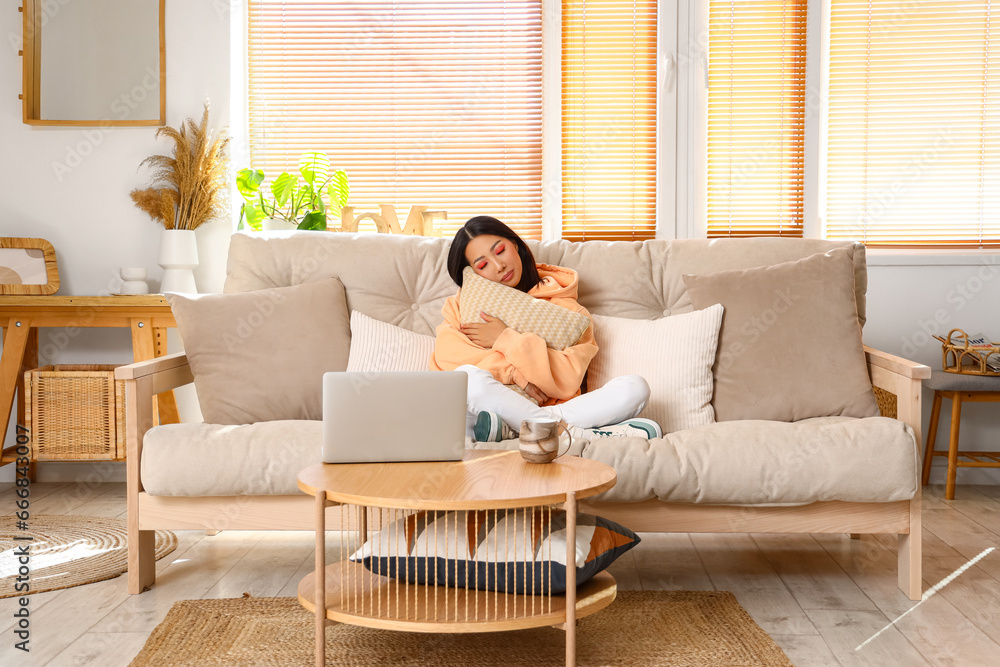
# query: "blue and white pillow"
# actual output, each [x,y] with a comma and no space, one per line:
[515,551]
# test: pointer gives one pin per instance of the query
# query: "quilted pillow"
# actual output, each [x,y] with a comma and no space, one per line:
[380,347]
[514,551]
[558,327]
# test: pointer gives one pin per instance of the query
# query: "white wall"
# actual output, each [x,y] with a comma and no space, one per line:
[71,187]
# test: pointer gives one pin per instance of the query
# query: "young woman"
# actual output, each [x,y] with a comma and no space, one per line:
[545,382]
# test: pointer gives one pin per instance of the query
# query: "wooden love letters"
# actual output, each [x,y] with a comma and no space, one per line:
[419,222]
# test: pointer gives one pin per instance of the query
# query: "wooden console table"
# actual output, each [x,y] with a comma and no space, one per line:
[147,315]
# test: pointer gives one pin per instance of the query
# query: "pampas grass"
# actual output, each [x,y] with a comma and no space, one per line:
[189,186]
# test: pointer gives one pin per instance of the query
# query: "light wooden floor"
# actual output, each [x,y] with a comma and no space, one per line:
[818,596]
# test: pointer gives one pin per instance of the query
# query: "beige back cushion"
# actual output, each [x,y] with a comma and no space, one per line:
[260,356]
[790,346]
[403,279]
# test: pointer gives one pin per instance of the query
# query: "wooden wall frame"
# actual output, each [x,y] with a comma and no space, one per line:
[31,57]
[51,270]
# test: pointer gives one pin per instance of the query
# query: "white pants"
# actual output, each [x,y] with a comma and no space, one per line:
[622,398]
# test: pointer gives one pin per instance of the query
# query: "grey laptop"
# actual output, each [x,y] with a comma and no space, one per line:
[409,416]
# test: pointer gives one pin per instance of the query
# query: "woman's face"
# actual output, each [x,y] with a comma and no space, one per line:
[494,258]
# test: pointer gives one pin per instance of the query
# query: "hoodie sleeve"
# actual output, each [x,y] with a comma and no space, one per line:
[452,348]
[558,373]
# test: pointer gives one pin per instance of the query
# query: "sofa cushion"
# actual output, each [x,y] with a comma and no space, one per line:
[790,346]
[379,347]
[675,356]
[751,462]
[559,327]
[248,459]
[260,356]
[767,463]
[761,462]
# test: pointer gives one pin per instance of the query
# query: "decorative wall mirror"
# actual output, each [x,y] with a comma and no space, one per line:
[28,266]
[101,62]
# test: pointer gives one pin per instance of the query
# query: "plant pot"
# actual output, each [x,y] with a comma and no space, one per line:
[178,256]
[277,224]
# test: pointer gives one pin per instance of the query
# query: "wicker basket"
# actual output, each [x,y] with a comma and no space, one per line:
[75,412]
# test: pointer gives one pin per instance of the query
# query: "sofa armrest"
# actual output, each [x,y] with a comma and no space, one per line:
[897,365]
[167,372]
[143,381]
[903,379]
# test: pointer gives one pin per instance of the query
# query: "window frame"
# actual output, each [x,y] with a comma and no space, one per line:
[667,96]
[816,133]
[668,84]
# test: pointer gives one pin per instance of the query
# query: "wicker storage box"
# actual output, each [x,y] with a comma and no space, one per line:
[75,412]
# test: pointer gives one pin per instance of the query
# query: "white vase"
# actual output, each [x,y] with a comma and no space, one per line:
[134,281]
[178,256]
[277,224]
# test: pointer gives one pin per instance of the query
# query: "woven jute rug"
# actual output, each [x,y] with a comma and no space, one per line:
[66,550]
[678,628]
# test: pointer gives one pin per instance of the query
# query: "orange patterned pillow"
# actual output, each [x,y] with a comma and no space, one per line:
[559,327]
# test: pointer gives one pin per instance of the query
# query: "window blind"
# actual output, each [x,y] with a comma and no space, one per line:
[420,102]
[756,117]
[608,119]
[914,124]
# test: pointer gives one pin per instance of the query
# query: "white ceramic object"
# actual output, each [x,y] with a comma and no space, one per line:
[134,281]
[178,256]
[277,224]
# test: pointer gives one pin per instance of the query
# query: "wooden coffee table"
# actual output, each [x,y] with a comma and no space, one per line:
[489,481]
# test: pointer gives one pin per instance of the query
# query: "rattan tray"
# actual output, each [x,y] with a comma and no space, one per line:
[960,358]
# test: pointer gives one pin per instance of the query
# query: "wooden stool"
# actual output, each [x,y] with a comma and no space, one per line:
[959,388]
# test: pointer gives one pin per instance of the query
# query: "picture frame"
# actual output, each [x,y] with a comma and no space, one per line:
[28,267]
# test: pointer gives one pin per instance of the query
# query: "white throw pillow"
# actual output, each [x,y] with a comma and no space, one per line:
[674,354]
[379,347]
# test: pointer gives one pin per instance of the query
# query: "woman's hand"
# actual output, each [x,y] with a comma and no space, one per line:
[535,393]
[484,334]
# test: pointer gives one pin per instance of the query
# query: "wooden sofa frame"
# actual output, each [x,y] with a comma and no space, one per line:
[143,380]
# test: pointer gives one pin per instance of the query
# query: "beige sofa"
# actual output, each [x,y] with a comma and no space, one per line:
[821,475]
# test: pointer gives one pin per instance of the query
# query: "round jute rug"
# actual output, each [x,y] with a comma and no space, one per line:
[67,550]
[647,628]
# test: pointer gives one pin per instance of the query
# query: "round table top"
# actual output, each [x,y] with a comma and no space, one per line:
[484,479]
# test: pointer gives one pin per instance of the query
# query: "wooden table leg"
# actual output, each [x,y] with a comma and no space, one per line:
[320,578]
[29,361]
[570,579]
[931,437]
[15,343]
[166,402]
[956,418]
[143,349]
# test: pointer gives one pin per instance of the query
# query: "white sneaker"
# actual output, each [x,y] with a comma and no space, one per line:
[490,428]
[630,428]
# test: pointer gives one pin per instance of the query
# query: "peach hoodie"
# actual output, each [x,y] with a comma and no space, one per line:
[520,358]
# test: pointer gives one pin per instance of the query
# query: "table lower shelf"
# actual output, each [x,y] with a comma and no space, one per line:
[356,596]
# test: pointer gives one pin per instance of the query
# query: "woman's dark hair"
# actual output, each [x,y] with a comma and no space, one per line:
[485,224]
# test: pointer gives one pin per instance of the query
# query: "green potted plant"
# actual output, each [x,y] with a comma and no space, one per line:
[300,203]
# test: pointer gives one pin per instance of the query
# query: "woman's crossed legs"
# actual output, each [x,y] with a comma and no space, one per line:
[622,398]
